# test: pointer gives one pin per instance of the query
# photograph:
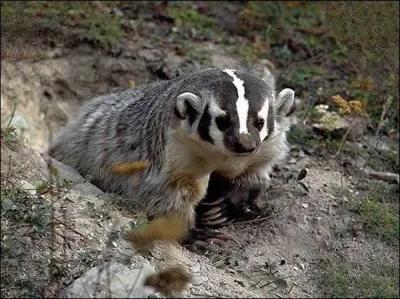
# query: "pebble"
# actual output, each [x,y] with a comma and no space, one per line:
[199,280]
[195,269]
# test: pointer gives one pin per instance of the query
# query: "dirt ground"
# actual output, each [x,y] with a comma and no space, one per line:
[334,233]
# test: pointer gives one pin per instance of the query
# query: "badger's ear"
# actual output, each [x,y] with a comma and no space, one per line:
[189,105]
[285,103]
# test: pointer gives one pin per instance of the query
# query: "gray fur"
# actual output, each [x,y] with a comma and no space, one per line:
[155,123]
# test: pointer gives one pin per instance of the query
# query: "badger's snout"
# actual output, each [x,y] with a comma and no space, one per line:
[245,144]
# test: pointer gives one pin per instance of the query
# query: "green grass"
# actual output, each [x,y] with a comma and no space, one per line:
[337,281]
[70,20]
[379,220]
[191,18]
[244,52]
[10,137]
[198,54]
[20,206]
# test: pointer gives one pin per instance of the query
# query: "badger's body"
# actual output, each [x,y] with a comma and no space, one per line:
[219,121]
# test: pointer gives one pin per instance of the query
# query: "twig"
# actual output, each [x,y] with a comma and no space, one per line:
[262,218]
[203,295]
[288,292]
[343,140]
[271,282]
[68,227]
[256,284]
[12,115]
[380,125]
[136,281]
[9,169]
[383,176]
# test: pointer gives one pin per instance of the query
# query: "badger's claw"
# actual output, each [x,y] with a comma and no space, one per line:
[199,237]
[225,210]
[226,202]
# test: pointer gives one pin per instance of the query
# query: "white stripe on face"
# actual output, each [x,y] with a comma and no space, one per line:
[242,105]
[263,114]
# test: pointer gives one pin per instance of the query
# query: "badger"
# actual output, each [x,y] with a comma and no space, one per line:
[216,123]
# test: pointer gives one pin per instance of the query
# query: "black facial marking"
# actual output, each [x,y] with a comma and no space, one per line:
[255,91]
[223,122]
[204,126]
[259,124]
[178,114]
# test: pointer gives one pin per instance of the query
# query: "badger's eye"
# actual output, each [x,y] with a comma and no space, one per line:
[259,124]
[223,122]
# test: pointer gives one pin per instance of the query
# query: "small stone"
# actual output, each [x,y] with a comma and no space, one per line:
[199,280]
[195,269]
[117,12]
[239,282]
[110,279]
[295,268]
[305,205]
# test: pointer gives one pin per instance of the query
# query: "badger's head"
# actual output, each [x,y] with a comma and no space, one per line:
[231,111]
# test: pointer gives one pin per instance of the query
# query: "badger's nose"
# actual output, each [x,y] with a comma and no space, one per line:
[245,144]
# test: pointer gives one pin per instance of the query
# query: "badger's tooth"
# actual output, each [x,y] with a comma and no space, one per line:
[212,211]
[214,203]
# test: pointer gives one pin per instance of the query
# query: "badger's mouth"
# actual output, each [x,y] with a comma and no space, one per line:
[254,152]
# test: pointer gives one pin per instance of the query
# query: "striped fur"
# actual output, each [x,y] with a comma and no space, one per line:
[174,125]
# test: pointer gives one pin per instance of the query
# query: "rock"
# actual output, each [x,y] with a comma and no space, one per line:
[112,280]
[63,171]
[220,59]
[117,12]
[199,280]
[195,269]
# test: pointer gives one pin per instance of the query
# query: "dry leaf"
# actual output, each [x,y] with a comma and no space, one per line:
[342,104]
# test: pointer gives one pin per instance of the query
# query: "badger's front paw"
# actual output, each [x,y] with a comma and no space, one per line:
[202,237]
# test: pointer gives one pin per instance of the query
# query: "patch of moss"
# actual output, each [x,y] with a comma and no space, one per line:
[191,18]
[80,20]
[299,136]
[337,281]
[246,53]
[379,220]
[198,54]
[10,137]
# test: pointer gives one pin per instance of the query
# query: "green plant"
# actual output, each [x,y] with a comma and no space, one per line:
[336,282]
[244,52]
[379,220]
[340,280]
[10,137]
[83,21]
[191,18]
[102,30]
